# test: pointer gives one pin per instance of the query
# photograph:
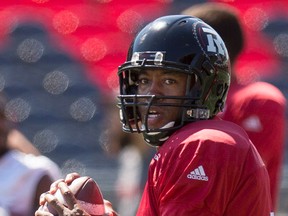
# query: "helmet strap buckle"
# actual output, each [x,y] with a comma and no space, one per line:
[198,113]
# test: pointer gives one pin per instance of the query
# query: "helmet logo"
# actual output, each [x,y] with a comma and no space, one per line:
[212,41]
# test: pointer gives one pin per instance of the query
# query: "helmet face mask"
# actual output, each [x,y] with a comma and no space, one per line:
[180,44]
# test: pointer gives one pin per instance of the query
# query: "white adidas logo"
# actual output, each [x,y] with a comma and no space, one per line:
[198,174]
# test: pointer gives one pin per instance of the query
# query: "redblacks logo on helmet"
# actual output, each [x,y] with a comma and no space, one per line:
[209,40]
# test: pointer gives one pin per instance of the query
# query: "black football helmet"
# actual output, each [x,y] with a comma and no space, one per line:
[182,44]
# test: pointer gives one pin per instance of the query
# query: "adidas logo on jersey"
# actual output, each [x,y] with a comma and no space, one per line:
[157,156]
[198,174]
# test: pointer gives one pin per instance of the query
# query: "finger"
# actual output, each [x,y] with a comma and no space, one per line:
[107,204]
[43,208]
[41,212]
[42,199]
[71,177]
[55,204]
[78,211]
[54,186]
[68,195]
[109,209]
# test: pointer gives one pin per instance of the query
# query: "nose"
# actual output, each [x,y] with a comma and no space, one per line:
[155,88]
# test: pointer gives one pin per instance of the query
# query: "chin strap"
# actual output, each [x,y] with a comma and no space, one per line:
[158,138]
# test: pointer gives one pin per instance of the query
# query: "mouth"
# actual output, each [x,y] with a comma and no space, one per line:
[153,114]
[153,119]
[156,120]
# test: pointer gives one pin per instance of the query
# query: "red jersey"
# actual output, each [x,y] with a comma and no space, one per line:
[207,168]
[260,109]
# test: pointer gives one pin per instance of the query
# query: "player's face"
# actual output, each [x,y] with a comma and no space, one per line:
[161,83]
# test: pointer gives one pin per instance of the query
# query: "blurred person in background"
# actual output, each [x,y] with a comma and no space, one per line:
[24,173]
[258,107]
[17,140]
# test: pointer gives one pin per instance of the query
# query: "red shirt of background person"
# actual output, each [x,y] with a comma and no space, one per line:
[257,107]
[260,109]
[172,86]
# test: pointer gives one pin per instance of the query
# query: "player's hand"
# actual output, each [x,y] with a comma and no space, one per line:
[54,186]
[72,208]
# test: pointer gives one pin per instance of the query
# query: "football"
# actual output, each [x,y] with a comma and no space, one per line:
[88,194]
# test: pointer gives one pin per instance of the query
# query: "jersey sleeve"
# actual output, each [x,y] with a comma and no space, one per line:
[252,195]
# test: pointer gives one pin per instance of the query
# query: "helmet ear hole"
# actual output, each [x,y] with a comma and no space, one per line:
[219,89]
[221,92]
[219,106]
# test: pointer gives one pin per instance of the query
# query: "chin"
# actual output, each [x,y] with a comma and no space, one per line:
[160,125]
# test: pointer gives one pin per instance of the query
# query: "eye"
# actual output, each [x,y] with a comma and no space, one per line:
[141,81]
[169,81]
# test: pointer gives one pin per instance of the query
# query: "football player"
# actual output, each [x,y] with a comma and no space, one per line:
[172,86]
